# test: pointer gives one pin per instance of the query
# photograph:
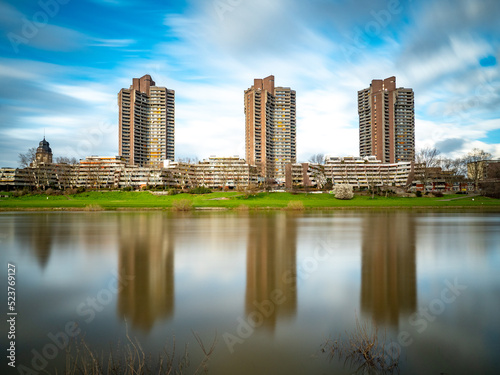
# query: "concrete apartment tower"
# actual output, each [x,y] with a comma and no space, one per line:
[387,121]
[270,128]
[146,123]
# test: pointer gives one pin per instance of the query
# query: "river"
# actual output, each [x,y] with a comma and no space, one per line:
[271,287]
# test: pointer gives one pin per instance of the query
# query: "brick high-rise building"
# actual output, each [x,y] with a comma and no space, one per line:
[387,121]
[270,128]
[146,123]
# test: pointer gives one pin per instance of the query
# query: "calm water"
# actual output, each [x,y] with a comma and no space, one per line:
[431,280]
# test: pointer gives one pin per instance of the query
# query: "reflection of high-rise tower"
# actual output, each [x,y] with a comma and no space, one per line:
[146,258]
[37,234]
[272,266]
[388,279]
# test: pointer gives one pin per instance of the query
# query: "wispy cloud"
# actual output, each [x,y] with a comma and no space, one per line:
[119,43]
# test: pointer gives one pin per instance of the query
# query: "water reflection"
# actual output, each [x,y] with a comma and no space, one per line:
[388,270]
[272,267]
[147,253]
[37,233]
[225,262]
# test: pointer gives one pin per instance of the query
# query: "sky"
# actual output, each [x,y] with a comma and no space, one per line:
[63,62]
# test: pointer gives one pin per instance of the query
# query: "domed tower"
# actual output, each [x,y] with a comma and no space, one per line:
[44,152]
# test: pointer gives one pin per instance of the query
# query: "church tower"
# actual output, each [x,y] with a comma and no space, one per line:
[43,152]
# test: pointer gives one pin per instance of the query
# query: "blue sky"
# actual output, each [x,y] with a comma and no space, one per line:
[62,63]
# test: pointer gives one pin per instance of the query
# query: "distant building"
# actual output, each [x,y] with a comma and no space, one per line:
[360,173]
[270,128]
[366,172]
[304,175]
[226,173]
[146,123]
[43,152]
[483,170]
[387,122]
[8,178]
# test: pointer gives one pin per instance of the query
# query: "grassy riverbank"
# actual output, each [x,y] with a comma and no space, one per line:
[231,200]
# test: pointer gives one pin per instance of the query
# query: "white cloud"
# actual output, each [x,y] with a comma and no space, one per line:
[460,54]
[209,60]
[98,42]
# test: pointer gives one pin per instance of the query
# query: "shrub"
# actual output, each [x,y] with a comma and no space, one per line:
[343,192]
[295,205]
[173,192]
[128,188]
[182,205]
[418,193]
[438,194]
[200,190]
[365,349]
[18,193]
[81,189]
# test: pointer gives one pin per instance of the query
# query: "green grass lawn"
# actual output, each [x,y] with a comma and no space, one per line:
[145,200]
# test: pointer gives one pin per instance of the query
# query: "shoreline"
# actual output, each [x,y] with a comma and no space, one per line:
[249,209]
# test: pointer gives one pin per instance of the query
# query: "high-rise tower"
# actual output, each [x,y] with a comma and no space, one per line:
[270,128]
[146,123]
[387,121]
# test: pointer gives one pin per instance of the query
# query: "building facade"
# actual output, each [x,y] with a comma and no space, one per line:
[305,175]
[270,128]
[226,173]
[146,123]
[366,173]
[387,122]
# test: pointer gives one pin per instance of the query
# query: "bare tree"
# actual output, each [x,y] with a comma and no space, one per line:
[475,161]
[27,158]
[64,171]
[452,169]
[426,160]
[188,160]
[66,160]
[317,159]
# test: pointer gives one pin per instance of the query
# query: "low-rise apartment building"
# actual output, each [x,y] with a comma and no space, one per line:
[366,172]
[304,175]
[98,172]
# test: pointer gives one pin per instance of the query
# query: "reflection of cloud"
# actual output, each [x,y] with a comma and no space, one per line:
[272,266]
[388,279]
[147,253]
